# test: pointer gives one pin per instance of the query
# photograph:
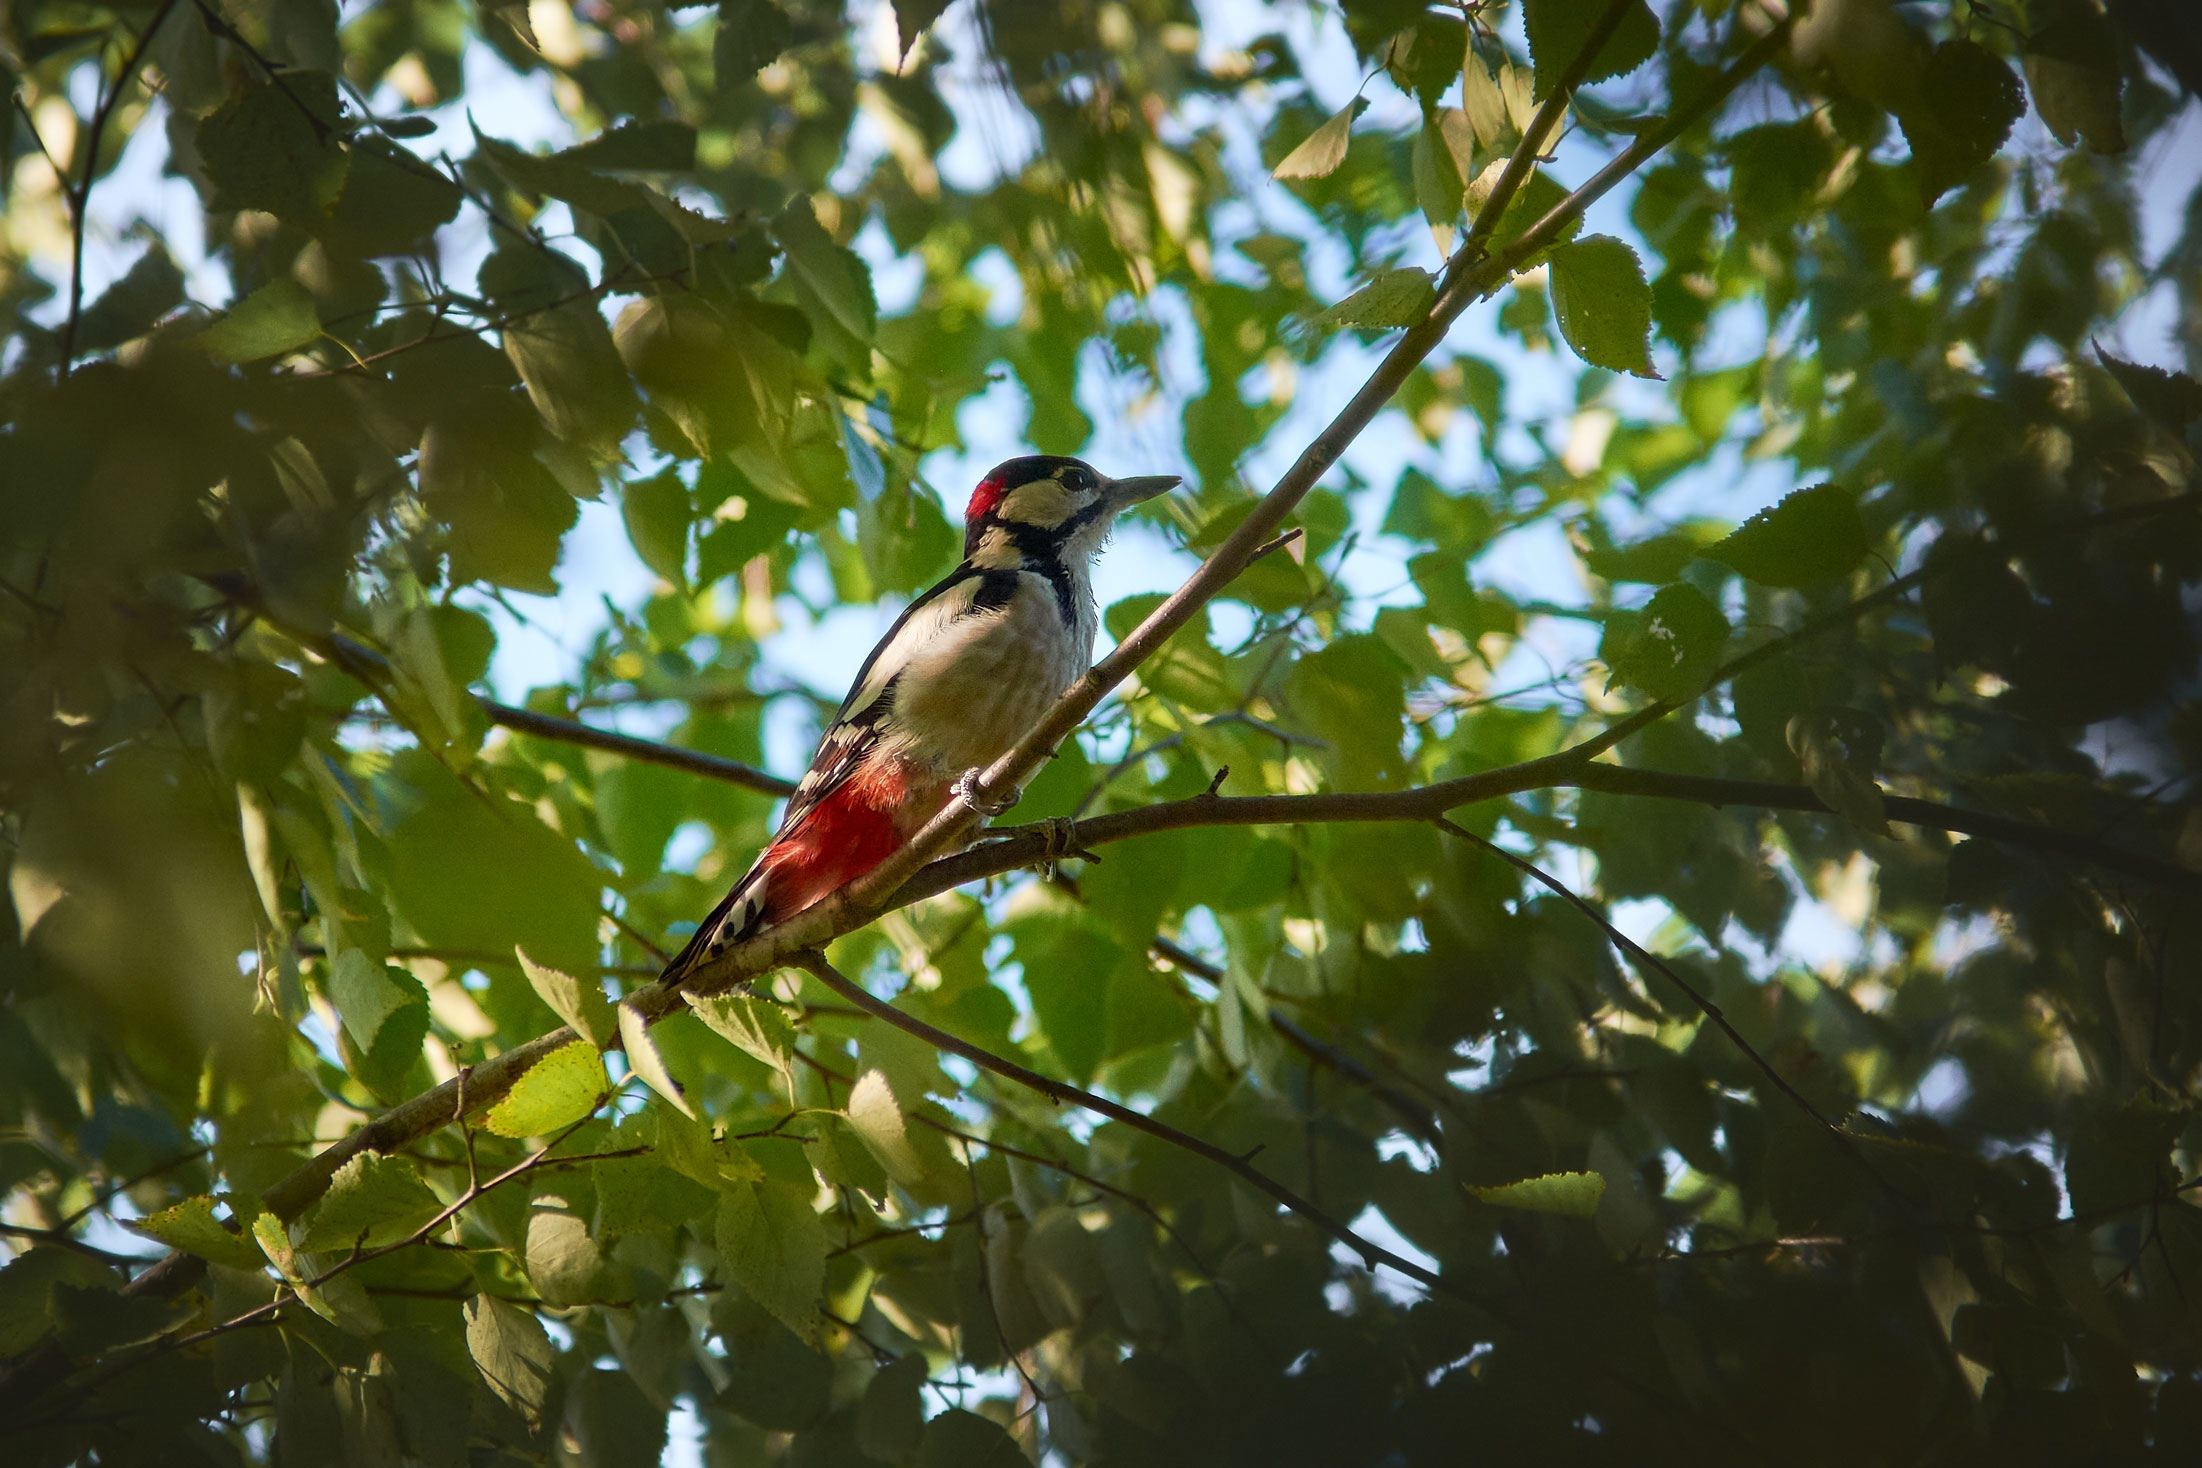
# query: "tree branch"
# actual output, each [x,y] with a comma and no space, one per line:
[79,196]
[1372,1254]
[373,669]
[1022,846]
[695,762]
[1419,1119]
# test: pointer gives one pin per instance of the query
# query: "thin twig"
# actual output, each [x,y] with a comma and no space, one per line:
[79,196]
[1372,1254]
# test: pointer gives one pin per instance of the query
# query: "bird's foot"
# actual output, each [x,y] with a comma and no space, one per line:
[1059,835]
[966,789]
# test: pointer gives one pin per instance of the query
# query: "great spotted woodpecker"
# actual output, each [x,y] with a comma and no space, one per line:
[966,669]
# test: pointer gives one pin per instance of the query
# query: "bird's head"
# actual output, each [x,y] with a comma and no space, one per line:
[1044,505]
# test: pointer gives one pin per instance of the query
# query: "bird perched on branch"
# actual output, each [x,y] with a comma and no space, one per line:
[964,672]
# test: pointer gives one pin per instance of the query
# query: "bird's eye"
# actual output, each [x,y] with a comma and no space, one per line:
[1077,481]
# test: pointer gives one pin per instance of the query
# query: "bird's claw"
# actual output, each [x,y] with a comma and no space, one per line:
[966,789]
[1059,839]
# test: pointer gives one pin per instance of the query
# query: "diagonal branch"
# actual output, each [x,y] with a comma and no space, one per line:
[1643,957]
[1372,1254]
[373,669]
[79,196]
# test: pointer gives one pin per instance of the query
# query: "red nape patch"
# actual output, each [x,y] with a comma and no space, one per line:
[984,498]
[844,836]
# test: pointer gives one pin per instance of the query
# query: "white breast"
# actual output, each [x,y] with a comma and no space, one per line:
[977,686]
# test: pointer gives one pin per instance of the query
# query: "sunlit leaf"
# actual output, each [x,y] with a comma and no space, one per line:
[1604,306]
[1574,1194]
[1320,153]
[644,1060]
[279,317]
[554,1093]
[192,1226]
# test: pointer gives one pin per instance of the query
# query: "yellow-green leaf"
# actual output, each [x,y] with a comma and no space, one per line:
[643,1059]
[279,317]
[581,1005]
[1320,153]
[556,1091]
[192,1227]
[876,1117]
[1575,1194]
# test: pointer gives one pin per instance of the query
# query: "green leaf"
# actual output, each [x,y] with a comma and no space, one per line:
[27,1284]
[912,19]
[564,1263]
[1575,1194]
[192,1227]
[643,1195]
[772,1244]
[876,1117]
[778,1380]
[574,376]
[1558,31]
[372,1201]
[513,1352]
[554,1093]
[892,1413]
[833,286]
[481,875]
[1483,107]
[559,176]
[659,146]
[960,1439]
[1837,748]
[367,994]
[657,514]
[2172,398]
[1775,172]
[751,34]
[756,1027]
[614,1422]
[645,1061]
[1438,187]
[1394,298]
[1968,101]
[1670,647]
[392,204]
[580,1004]
[279,317]
[1604,304]
[89,1322]
[2072,72]
[1320,153]
[150,289]
[272,147]
[1814,535]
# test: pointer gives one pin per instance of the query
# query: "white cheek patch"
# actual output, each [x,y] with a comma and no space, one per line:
[996,551]
[1041,503]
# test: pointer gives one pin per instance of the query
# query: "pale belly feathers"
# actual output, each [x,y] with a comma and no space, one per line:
[973,692]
